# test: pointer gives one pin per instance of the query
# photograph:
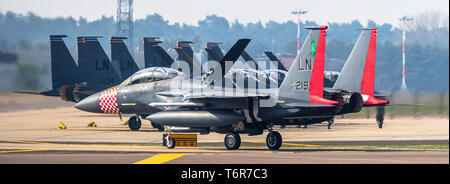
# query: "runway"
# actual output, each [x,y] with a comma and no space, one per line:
[227,157]
[32,136]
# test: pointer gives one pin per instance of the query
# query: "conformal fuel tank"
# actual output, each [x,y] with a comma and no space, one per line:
[196,118]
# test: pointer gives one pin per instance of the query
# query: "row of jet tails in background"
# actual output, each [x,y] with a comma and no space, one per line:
[96,72]
[184,101]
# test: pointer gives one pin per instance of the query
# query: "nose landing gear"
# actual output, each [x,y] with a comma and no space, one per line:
[134,123]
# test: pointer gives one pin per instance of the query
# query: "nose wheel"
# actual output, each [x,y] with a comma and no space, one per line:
[170,142]
[134,123]
[232,141]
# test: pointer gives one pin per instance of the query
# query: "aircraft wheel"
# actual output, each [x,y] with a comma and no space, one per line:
[170,142]
[232,141]
[274,140]
[134,123]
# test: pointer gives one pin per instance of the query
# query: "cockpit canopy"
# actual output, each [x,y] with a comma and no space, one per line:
[151,74]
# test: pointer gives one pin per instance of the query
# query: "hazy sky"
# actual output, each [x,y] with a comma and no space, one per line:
[190,11]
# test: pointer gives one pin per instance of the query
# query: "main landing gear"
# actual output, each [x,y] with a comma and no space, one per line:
[232,141]
[134,123]
[273,140]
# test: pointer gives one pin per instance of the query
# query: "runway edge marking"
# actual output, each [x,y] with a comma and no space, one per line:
[161,158]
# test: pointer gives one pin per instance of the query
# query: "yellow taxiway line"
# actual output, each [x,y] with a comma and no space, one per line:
[290,144]
[15,151]
[161,158]
[27,142]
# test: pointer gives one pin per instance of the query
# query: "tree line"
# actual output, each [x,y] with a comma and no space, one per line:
[426,47]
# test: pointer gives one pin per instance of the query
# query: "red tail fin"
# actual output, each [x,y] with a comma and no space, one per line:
[317,75]
[368,79]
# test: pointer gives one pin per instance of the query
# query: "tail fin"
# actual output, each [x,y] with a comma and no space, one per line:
[274,59]
[304,80]
[152,57]
[121,58]
[350,78]
[214,52]
[358,73]
[64,68]
[186,54]
[97,68]
[166,60]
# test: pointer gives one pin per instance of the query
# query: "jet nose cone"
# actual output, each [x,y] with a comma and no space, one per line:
[90,104]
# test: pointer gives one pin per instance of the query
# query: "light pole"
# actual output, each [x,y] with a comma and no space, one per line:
[298,13]
[404,19]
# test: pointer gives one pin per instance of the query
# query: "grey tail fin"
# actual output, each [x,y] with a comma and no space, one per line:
[154,55]
[95,64]
[64,68]
[275,60]
[121,58]
[304,80]
[351,74]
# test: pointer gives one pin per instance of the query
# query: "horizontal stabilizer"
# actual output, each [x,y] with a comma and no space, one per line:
[402,105]
[382,95]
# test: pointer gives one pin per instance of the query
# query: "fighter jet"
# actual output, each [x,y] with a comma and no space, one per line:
[170,98]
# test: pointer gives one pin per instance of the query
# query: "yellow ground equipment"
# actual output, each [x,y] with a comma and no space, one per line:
[181,140]
[92,124]
[61,125]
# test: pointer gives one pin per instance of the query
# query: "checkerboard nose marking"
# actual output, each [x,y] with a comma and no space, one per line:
[108,101]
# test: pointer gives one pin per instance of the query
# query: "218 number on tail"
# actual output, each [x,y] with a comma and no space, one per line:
[301,86]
